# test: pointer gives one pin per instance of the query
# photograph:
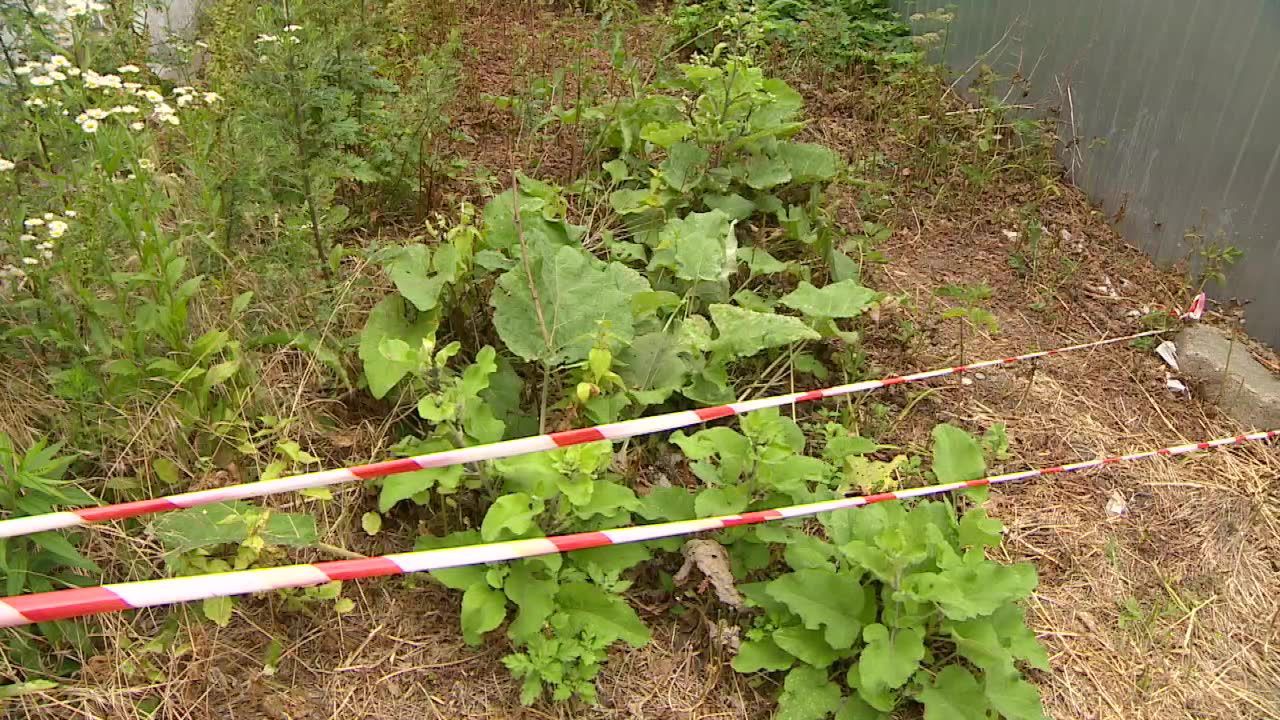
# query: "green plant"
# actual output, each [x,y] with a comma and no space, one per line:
[31,483]
[969,311]
[902,604]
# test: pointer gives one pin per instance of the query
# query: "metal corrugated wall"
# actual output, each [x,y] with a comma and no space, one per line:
[1175,110]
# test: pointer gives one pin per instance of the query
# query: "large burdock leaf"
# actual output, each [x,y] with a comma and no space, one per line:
[606,615]
[745,332]
[702,245]
[956,455]
[808,162]
[824,600]
[837,300]
[387,322]
[553,313]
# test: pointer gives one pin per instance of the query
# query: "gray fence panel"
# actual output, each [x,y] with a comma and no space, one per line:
[1169,111]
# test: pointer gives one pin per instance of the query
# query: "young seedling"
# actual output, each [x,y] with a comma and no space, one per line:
[969,310]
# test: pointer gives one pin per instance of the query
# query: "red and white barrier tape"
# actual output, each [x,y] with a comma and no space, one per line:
[64,604]
[507,448]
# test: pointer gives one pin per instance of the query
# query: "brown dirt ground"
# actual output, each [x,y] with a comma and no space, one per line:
[1171,610]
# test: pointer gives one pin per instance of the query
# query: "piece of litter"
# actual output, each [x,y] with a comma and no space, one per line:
[1116,505]
[966,381]
[1169,353]
[1011,235]
[979,376]
[1175,385]
[712,560]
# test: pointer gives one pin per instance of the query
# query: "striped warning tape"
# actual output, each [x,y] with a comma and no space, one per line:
[507,448]
[65,604]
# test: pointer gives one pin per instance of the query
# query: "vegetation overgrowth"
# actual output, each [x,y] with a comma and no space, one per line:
[279,195]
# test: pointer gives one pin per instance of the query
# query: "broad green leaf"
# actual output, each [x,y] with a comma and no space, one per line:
[1013,697]
[510,514]
[824,600]
[652,367]
[757,655]
[978,642]
[793,475]
[890,657]
[744,333]
[972,589]
[764,172]
[607,499]
[841,446]
[535,474]
[979,531]
[229,523]
[837,300]
[475,378]
[578,299]
[806,552]
[459,578]
[403,486]
[667,503]
[702,245]
[387,322]
[666,134]
[533,595]
[627,202]
[410,269]
[612,559]
[733,205]
[808,162]
[218,610]
[371,522]
[760,262]
[608,616]
[483,609]
[806,644]
[166,470]
[722,501]
[1010,622]
[855,708]
[683,167]
[808,694]
[957,456]
[954,694]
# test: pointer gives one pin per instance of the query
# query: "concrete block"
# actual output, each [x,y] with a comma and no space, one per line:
[1245,390]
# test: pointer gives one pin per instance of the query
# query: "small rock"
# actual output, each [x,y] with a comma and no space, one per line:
[1116,505]
[966,381]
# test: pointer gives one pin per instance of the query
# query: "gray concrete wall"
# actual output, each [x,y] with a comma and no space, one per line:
[1169,112]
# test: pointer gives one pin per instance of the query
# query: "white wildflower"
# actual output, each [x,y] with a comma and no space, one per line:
[57,228]
[59,61]
[26,237]
[73,71]
[48,216]
[33,222]
[43,245]
[46,254]
[6,165]
[202,45]
[89,126]
[146,164]
[128,69]
[135,126]
[23,70]
[34,102]
[183,90]
[292,28]
[58,75]
[171,119]
[69,213]
[124,109]
[266,39]
[132,87]
[295,39]
[212,97]
[30,261]
[163,108]
[153,97]
[97,113]
[42,81]
[185,100]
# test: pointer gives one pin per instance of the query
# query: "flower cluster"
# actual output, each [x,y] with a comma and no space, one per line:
[77,8]
[33,248]
[6,165]
[45,74]
[289,36]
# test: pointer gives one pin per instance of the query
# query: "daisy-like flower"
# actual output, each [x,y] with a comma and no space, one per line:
[44,245]
[292,28]
[124,109]
[30,261]
[6,165]
[183,90]
[27,238]
[90,126]
[97,113]
[185,100]
[46,254]
[146,164]
[94,80]
[132,87]
[295,39]
[34,102]
[212,97]
[73,71]
[57,228]
[153,97]
[58,61]
[171,119]
[42,81]
[266,39]
[23,70]
[33,222]
[69,213]
[58,75]
[128,69]
[48,216]
[136,126]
